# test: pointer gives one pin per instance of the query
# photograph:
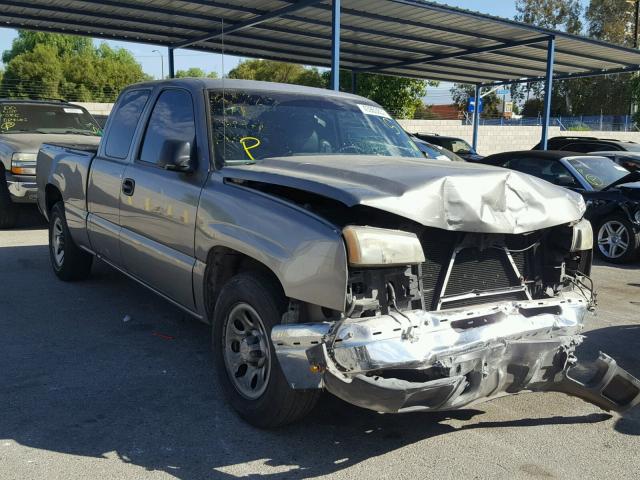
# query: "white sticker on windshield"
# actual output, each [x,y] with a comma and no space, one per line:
[73,110]
[373,110]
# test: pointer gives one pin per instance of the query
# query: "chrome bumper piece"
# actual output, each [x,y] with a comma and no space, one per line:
[449,359]
[22,191]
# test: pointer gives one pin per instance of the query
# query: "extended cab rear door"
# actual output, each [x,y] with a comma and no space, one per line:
[107,170]
[158,206]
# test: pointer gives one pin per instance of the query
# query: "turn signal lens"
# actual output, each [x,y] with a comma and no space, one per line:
[23,163]
[380,247]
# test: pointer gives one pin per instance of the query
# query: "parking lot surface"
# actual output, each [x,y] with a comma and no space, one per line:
[101,379]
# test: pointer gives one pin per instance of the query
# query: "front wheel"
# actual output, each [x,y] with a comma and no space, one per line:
[69,261]
[248,307]
[618,242]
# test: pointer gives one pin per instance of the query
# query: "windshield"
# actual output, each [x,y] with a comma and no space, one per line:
[257,125]
[44,118]
[456,145]
[598,171]
[631,147]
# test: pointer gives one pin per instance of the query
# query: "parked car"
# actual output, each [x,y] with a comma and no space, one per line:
[24,126]
[589,144]
[453,144]
[327,252]
[628,160]
[435,152]
[611,192]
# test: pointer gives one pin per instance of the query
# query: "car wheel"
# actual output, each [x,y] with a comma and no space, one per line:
[249,305]
[8,210]
[618,242]
[69,261]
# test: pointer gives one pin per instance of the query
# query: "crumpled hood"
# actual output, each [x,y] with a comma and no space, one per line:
[446,195]
[31,142]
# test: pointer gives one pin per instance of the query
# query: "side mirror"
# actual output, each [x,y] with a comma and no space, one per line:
[565,181]
[176,155]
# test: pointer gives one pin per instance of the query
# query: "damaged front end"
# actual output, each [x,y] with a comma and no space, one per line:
[467,318]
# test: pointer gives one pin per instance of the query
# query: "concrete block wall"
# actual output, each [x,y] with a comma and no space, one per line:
[497,139]
[96,108]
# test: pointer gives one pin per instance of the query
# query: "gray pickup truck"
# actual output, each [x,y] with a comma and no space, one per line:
[327,253]
[24,126]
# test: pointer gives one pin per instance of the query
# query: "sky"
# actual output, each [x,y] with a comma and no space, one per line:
[154,58]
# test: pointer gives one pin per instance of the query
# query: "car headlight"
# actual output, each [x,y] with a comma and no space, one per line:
[380,247]
[23,163]
[582,236]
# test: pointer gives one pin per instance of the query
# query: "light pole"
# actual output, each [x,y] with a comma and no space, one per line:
[161,62]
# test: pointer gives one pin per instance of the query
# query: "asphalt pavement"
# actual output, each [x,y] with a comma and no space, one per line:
[102,380]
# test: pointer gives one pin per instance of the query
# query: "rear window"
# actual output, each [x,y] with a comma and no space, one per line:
[124,122]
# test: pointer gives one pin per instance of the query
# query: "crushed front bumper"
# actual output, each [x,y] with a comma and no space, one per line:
[22,188]
[446,360]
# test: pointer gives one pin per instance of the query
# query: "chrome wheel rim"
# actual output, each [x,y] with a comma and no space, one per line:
[247,357]
[58,242]
[613,239]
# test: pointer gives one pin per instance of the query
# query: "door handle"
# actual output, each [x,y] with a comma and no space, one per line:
[128,186]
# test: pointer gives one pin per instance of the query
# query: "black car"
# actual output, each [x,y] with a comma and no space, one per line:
[453,144]
[589,144]
[629,160]
[435,152]
[611,192]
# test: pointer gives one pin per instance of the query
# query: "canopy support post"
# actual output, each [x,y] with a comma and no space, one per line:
[172,73]
[335,45]
[476,117]
[548,88]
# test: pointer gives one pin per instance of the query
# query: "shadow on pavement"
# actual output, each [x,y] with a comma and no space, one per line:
[29,218]
[78,379]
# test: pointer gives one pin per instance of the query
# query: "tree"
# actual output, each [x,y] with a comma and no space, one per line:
[281,72]
[562,15]
[195,72]
[40,65]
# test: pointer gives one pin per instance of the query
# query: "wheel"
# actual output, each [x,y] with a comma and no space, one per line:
[249,305]
[69,261]
[8,210]
[617,240]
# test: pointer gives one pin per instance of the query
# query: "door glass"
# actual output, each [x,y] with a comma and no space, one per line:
[172,119]
[124,122]
[550,170]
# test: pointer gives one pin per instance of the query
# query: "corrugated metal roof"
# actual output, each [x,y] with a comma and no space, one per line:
[398,37]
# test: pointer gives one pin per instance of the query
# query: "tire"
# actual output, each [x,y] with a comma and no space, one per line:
[8,210]
[69,262]
[616,240]
[239,355]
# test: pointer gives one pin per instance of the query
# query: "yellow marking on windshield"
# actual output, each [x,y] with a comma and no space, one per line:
[248,148]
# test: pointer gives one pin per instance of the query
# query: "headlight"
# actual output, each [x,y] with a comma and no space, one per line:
[379,247]
[636,217]
[582,236]
[23,163]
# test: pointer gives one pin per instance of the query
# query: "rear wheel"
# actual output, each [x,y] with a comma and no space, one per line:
[617,240]
[248,307]
[8,210]
[69,261]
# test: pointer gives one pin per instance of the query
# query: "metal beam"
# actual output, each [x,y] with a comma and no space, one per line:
[548,88]
[476,118]
[236,27]
[468,51]
[335,45]
[172,71]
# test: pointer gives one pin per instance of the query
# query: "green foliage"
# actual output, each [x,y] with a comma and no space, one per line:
[195,72]
[46,65]
[562,15]
[400,96]
[579,127]
[611,20]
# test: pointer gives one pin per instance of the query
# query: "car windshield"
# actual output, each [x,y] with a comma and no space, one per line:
[256,125]
[456,145]
[45,118]
[631,147]
[598,171]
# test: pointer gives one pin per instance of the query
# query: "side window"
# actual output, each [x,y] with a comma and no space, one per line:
[124,123]
[550,170]
[171,119]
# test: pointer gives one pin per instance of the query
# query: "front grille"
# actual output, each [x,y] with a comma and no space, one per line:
[474,270]
[480,270]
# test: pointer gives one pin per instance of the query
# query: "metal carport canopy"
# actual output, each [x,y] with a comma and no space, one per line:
[408,38]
